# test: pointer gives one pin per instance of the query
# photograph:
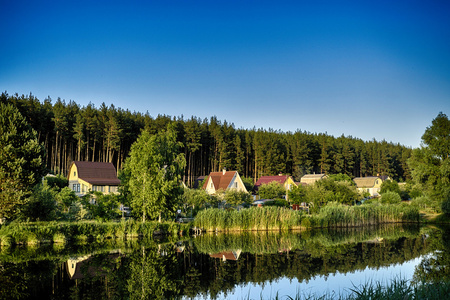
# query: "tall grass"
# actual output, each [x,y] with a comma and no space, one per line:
[60,232]
[337,215]
[278,218]
[255,218]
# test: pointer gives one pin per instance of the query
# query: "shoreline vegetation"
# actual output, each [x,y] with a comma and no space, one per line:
[213,220]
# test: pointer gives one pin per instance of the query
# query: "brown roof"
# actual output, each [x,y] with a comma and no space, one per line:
[365,182]
[97,173]
[220,180]
[281,179]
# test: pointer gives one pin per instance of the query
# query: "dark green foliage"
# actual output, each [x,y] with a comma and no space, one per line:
[248,183]
[41,206]
[21,161]
[59,182]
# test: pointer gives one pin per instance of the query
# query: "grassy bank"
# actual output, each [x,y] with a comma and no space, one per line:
[397,289]
[60,232]
[277,218]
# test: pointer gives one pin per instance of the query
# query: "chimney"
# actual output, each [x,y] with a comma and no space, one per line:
[280,174]
[224,171]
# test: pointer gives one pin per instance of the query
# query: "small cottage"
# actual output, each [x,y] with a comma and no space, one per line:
[86,176]
[371,184]
[224,180]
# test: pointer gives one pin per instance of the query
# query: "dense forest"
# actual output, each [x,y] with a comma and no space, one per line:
[70,132]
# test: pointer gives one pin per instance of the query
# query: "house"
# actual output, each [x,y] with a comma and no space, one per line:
[371,184]
[312,178]
[223,181]
[284,180]
[86,176]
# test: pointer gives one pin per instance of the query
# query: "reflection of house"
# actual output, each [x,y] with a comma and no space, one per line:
[285,180]
[85,176]
[227,255]
[224,180]
[312,178]
[371,184]
[85,267]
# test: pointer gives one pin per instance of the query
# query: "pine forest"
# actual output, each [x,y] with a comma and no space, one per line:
[105,134]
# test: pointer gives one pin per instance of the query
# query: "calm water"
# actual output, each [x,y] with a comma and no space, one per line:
[251,265]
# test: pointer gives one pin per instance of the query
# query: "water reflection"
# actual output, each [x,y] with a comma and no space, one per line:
[217,265]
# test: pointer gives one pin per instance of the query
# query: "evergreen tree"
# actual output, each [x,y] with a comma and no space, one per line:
[21,160]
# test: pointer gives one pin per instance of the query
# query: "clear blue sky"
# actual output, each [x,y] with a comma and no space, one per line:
[369,69]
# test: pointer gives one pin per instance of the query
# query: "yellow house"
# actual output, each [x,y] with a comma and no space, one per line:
[371,184]
[223,181]
[85,176]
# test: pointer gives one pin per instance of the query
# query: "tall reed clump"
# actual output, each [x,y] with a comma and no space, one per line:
[338,215]
[255,218]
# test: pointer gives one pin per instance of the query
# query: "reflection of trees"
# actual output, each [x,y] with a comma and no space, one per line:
[436,266]
[153,273]
[18,281]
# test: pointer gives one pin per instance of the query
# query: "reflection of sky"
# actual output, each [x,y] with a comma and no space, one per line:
[332,284]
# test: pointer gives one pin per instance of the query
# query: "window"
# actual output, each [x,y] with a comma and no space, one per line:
[74,187]
[235,185]
[75,173]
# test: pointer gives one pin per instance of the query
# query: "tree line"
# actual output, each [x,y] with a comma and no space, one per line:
[71,132]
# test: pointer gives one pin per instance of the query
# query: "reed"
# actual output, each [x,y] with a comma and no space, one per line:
[255,218]
[338,215]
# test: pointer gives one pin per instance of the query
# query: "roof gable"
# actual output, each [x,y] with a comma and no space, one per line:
[220,180]
[98,173]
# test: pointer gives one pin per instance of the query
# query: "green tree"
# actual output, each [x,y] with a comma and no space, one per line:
[155,167]
[389,186]
[297,195]
[430,164]
[234,197]
[21,161]
[272,190]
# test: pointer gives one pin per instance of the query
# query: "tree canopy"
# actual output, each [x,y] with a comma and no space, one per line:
[155,168]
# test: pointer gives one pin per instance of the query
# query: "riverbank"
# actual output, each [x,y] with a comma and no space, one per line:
[32,233]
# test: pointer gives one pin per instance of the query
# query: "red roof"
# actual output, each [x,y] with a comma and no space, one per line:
[220,180]
[97,173]
[281,179]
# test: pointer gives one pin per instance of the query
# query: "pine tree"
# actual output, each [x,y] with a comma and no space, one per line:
[21,160]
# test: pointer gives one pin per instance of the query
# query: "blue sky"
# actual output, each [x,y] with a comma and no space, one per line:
[367,69]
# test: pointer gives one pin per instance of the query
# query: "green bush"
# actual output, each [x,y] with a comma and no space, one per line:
[390,197]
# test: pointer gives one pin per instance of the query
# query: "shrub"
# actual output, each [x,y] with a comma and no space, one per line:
[390,198]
